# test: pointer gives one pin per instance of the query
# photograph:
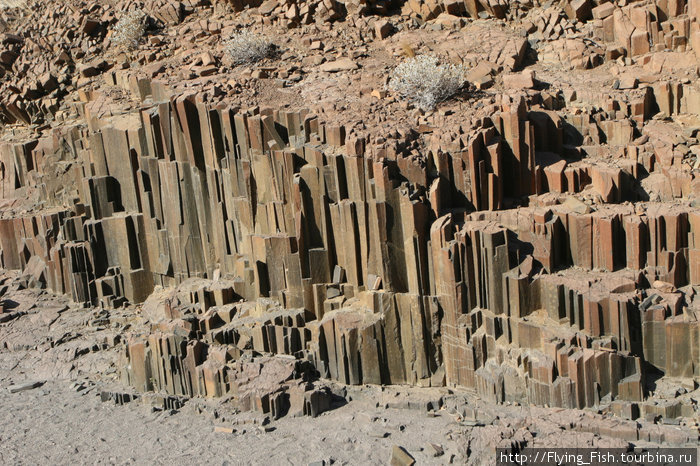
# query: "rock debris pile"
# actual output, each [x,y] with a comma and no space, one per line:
[535,240]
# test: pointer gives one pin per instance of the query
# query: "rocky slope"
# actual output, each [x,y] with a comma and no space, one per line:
[256,232]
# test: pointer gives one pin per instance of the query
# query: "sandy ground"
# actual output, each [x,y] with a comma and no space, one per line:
[74,356]
[55,424]
[60,345]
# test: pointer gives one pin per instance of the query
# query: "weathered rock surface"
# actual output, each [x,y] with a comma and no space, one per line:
[538,243]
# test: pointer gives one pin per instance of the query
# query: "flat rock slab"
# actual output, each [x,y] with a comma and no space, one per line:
[400,457]
[24,386]
[343,64]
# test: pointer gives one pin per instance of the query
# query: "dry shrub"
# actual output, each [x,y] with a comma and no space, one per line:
[6,4]
[424,82]
[247,47]
[129,29]
[408,50]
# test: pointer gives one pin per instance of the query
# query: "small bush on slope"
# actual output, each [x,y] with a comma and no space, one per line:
[246,47]
[423,81]
[129,29]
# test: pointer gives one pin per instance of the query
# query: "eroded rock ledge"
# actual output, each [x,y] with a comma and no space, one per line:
[368,265]
[543,249]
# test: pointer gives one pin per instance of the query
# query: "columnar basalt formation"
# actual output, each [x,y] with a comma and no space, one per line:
[543,250]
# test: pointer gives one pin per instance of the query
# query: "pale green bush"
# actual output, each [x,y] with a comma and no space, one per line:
[129,29]
[424,82]
[247,47]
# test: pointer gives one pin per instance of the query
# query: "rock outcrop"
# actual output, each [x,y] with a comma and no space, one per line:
[544,249]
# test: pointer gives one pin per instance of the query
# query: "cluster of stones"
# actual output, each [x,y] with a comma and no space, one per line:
[548,253]
[370,266]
